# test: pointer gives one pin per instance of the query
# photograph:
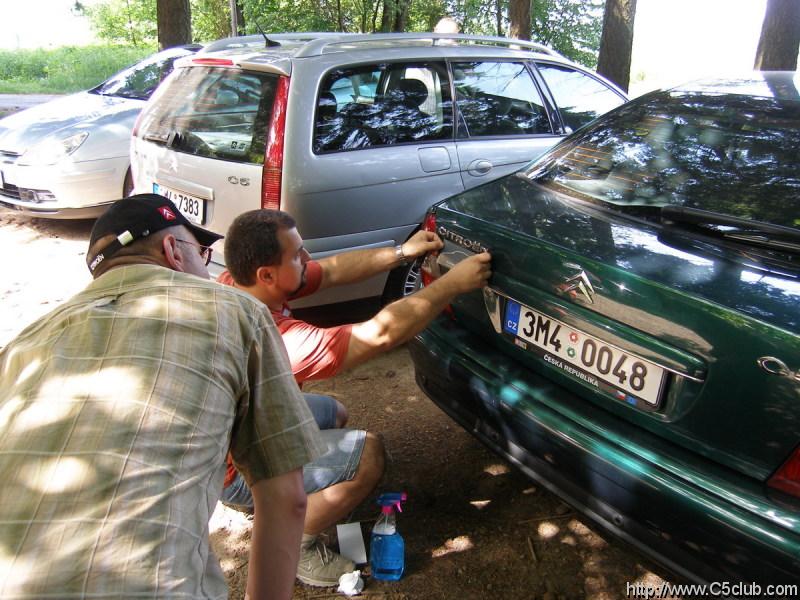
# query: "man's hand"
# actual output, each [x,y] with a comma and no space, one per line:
[421,243]
[471,273]
[401,320]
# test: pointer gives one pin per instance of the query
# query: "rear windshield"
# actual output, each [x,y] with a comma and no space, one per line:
[735,155]
[212,112]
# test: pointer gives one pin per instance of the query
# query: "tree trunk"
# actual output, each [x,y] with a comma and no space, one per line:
[401,19]
[519,15]
[234,17]
[130,24]
[174,23]
[395,15]
[387,18]
[780,37]
[498,15]
[375,16]
[240,18]
[614,61]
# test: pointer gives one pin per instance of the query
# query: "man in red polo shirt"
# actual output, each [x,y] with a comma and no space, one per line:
[265,257]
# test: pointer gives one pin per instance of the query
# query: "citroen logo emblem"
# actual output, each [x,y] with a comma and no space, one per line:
[579,285]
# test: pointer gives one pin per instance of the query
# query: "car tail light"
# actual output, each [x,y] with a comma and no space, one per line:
[273,159]
[430,271]
[787,478]
[213,62]
[426,271]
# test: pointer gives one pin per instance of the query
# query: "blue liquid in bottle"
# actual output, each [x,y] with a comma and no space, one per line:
[387,556]
[386,547]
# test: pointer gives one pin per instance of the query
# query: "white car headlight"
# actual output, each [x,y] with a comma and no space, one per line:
[51,150]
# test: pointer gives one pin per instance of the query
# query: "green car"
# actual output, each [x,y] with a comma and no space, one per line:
[637,351]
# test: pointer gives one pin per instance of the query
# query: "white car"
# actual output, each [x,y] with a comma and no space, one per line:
[68,158]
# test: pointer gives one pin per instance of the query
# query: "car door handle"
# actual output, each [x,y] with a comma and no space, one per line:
[479,167]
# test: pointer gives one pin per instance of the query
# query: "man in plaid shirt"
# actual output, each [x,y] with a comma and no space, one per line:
[117,410]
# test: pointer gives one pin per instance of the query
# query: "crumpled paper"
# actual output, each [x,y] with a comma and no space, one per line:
[351,583]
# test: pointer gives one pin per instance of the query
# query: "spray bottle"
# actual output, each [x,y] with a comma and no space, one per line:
[386,547]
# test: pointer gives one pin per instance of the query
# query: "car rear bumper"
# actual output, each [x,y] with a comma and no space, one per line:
[694,529]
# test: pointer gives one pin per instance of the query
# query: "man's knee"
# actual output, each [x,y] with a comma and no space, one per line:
[341,415]
[373,458]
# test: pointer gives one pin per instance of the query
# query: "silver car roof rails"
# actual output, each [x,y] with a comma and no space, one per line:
[316,43]
[324,45]
[256,40]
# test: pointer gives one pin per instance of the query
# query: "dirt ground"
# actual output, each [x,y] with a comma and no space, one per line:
[474,527]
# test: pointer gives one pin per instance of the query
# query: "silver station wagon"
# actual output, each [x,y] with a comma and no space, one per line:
[354,135]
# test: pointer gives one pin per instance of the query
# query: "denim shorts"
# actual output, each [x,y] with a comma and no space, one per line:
[338,464]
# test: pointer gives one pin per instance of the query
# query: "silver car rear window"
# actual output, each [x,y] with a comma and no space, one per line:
[213,112]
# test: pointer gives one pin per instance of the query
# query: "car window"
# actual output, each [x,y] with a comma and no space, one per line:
[140,80]
[380,105]
[497,98]
[704,151]
[217,113]
[579,96]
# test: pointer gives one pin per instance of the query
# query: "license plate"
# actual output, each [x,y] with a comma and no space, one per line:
[192,207]
[627,377]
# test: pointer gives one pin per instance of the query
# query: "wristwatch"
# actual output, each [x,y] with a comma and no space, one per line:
[398,254]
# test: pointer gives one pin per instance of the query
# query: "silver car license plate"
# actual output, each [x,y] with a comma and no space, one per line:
[192,207]
[626,376]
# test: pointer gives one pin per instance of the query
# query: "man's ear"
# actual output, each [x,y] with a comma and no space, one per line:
[173,253]
[266,275]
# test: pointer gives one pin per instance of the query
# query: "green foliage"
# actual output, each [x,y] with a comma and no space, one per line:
[131,22]
[134,22]
[63,70]
[572,27]
[211,20]
[310,15]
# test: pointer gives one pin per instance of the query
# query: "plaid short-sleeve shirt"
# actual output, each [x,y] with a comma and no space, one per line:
[116,412]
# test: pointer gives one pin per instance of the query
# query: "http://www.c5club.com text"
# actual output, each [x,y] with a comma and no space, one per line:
[716,589]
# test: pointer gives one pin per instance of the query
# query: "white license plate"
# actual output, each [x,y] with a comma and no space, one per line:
[192,207]
[627,377]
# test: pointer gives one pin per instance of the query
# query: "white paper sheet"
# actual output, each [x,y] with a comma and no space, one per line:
[351,542]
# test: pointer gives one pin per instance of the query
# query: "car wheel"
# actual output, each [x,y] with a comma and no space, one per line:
[402,281]
[127,185]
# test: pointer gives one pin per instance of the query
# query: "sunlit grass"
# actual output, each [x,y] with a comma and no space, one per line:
[63,70]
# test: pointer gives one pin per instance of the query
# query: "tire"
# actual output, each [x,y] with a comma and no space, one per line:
[402,281]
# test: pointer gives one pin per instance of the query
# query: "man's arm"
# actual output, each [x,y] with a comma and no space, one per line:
[401,320]
[351,267]
[279,512]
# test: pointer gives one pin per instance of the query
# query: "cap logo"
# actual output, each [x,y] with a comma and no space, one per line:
[167,213]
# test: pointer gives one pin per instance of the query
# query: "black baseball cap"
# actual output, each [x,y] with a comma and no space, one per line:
[136,217]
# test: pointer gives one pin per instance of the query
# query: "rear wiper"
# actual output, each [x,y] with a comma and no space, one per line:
[746,231]
[168,139]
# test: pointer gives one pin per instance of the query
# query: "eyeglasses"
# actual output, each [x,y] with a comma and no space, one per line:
[205,251]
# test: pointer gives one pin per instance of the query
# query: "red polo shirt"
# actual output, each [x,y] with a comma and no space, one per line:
[314,352]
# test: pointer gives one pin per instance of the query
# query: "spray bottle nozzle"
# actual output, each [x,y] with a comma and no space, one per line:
[391,500]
